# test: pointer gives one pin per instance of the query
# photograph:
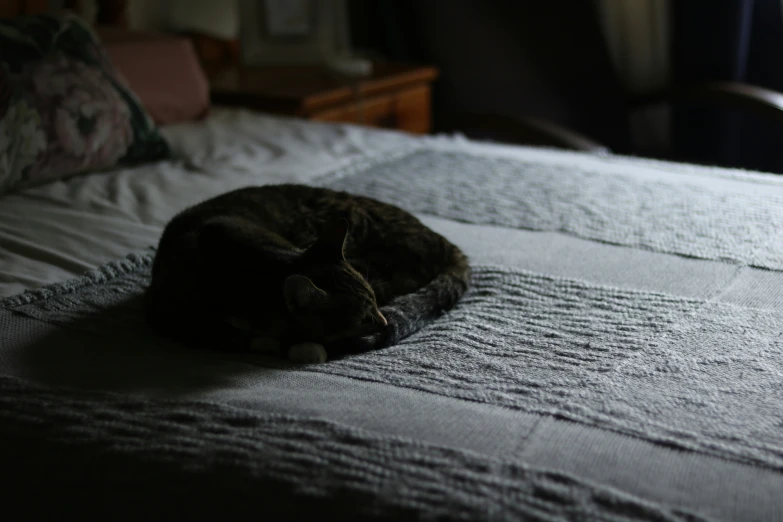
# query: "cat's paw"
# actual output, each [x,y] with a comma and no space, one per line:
[265,346]
[369,342]
[307,353]
[356,345]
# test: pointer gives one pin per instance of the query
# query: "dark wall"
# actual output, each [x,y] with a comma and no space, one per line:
[542,59]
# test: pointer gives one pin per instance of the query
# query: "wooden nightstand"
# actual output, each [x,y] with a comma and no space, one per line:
[396,96]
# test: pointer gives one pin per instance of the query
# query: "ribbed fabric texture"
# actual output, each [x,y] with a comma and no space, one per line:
[695,374]
[665,215]
[127,457]
[668,369]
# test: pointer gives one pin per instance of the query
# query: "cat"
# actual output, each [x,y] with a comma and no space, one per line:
[292,264]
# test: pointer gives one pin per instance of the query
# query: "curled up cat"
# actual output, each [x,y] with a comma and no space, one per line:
[300,272]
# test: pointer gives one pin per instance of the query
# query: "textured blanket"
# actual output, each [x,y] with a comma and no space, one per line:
[697,372]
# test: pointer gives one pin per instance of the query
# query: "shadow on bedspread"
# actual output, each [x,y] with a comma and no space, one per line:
[671,370]
[126,456]
[94,336]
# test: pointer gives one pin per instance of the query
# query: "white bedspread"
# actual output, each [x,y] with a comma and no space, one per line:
[55,232]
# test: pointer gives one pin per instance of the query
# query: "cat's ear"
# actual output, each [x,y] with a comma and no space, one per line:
[331,243]
[300,292]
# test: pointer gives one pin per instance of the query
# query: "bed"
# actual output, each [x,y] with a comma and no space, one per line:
[618,357]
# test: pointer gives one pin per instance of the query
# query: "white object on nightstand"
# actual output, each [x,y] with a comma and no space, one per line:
[350,67]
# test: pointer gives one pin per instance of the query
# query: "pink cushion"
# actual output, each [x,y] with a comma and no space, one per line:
[165,74]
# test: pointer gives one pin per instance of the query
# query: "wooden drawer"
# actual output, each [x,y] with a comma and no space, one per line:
[407,110]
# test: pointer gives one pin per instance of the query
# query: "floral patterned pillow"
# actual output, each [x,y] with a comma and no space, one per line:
[64,109]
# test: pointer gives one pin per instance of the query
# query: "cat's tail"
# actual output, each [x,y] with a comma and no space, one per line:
[407,314]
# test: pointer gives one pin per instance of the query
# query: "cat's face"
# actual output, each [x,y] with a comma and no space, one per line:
[330,300]
[334,303]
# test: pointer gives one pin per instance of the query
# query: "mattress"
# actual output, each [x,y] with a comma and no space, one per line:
[619,357]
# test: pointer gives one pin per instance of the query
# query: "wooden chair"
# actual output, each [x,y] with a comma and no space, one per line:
[765,103]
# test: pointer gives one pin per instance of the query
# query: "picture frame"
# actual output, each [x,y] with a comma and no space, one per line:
[293,32]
